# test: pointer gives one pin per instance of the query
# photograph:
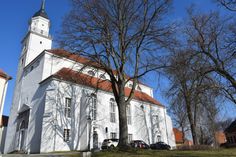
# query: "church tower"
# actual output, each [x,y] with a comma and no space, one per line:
[37,38]
[34,43]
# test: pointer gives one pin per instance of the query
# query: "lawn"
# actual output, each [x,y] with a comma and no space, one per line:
[173,153]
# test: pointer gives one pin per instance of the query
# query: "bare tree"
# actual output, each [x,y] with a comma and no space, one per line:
[214,38]
[228,4]
[178,111]
[123,38]
[183,83]
[189,89]
[207,122]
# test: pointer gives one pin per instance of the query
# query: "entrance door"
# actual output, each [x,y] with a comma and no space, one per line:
[95,140]
[22,139]
[22,135]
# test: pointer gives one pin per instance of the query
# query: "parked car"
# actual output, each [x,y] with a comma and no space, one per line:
[109,143]
[160,145]
[139,144]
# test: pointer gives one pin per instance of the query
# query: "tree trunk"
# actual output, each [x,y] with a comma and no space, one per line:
[123,132]
[183,133]
[191,121]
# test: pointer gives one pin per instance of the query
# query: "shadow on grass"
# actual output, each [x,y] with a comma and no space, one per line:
[160,153]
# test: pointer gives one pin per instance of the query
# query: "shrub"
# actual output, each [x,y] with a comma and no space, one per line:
[195,147]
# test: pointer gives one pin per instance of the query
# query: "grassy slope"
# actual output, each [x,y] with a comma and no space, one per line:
[175,153]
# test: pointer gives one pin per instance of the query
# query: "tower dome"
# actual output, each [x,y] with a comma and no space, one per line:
[42,11]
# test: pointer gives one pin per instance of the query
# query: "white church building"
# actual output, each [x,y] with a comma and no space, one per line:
[59,107]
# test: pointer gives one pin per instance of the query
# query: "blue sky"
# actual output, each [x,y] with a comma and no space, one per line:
[15,15]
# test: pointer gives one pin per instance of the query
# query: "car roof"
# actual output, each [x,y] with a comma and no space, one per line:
[111,139]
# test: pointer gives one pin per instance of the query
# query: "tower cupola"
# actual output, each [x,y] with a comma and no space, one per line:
[42,11]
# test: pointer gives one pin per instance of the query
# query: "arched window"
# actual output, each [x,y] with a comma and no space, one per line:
[112,110]
[155,121]
[22,125]
[91,73]
[93,106]
[158,138]
[128,113]
[68,108]
[102,76]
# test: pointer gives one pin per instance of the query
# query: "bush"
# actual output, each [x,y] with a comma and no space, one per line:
[194,147]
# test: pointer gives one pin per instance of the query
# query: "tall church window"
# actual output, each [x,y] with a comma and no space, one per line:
[112,110]
[66,135]
[158,138]
[128,113]
[155,121]
[130,137]
[93,107]
[68,108]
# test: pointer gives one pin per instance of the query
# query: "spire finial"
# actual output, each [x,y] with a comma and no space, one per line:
[43,5]
[42,11]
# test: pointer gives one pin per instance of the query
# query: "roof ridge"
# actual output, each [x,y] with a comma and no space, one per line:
[81,59]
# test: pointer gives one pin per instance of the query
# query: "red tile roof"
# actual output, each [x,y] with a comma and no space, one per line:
[80,59]
[74,57]
[4,121]
[4,75]
[67,74]
[178,136]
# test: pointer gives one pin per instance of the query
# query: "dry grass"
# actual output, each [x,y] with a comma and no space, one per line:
[173,153]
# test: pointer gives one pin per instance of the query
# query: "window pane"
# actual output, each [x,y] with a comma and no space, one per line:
[90,72]
[93,106]
[113,135]
[112,111]
[130,138]
[66,135]
[68,107]
[128,112]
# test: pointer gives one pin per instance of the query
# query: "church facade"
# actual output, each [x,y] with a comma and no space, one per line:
[62,102]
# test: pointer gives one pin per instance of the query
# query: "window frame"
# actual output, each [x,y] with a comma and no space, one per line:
[130,139]
[66,135]
[67,111]
[155,120]
[91,73]
[112,106]
[113,135]
[93,106]
[129,114]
